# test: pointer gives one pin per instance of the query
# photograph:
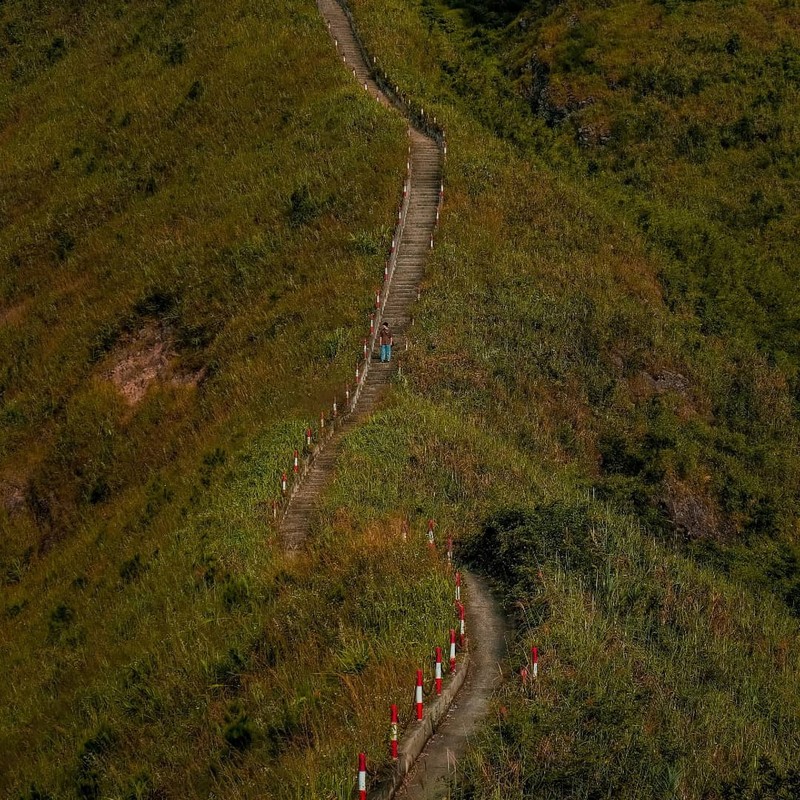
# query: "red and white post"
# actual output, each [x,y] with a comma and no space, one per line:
[309,434]
[438,670]
[462,625]
[452,651]
[362,776]
[458,587]
[418,694]
[371,324]
[449,551]
[365,349]
[535,661]
[393,732]
[283,484]
[431,526]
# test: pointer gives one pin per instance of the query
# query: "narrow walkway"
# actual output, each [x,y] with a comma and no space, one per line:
[413,249]
[430,778]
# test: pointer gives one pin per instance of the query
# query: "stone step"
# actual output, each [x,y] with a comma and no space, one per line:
[413,252]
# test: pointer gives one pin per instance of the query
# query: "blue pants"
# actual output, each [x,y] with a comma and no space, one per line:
[386,352]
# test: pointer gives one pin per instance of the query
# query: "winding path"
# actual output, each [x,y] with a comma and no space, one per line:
[432,771]
[430,776]
[412,252]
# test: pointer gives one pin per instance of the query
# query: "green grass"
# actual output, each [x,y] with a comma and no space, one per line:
[213,664]
[651,669]
[653,666]
[550,324]
[603,317]
[548,313]
[215,254]
[210,173]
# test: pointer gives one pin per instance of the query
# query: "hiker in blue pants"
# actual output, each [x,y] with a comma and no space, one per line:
[386,342]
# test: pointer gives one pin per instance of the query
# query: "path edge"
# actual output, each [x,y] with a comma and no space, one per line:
[415,738]
[417,117]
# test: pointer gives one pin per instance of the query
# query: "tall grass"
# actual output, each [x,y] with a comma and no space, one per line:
[652,670]
[550,332]
[176,653]
[210,172]
[211,253]
[214,664]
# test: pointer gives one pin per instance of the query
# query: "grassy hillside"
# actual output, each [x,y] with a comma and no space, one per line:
[155,211]
[667,605]
[692,107]
[692,429]
[600,398]
[195,210]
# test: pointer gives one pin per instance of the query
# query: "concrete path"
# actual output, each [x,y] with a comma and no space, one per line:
[486,626]
[412,252]
[486,630]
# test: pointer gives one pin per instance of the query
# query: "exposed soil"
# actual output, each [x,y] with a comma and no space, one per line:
[693,511]
[147,357]
[12,496]
[13,315]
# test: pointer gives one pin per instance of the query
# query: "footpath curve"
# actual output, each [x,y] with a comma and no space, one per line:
[430,777]
[429,773]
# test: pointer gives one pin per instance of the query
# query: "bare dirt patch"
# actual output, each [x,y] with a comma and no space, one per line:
[693,512]
[12,495]
[146,357]
[140,360]
[12,315]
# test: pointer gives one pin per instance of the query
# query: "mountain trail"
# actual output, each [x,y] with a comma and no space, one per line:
[429,777]
[412,251]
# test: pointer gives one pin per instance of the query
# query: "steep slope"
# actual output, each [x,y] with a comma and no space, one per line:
[419,226]
[161,245]
[196,205]
[622,460]
[628,471]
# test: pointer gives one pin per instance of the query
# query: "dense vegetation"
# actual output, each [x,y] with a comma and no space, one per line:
[182,182]
[601,397]
[592,309]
